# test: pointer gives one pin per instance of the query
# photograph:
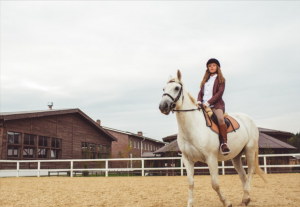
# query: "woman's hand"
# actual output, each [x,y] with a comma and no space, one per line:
[206,104]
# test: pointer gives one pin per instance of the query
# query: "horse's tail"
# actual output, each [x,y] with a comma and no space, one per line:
[257,168]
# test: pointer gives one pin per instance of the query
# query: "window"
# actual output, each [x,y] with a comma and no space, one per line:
[93,147]
[93,151]
[130,143]
[43,141]
[29,152]
[13,151]
[84,146]
[29,139]
[138,145]
[99,148]
[42,153]
[106,151]
[55,154]
[148,146]
[93,156]
[151,147]
[14,138]
[56,143]
[134,144]
[86,154]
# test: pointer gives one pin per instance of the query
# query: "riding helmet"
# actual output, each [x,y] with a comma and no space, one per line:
[213,60]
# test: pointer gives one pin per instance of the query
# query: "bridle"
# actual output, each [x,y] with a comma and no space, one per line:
[173,104]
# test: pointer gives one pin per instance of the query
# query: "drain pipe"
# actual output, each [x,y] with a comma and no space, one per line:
[142,146]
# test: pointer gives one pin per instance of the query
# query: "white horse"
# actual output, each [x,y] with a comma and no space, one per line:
[198,142]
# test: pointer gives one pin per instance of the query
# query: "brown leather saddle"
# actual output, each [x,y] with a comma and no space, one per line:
[212,122]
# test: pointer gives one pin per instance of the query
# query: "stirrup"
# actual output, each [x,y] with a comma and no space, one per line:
[224,153]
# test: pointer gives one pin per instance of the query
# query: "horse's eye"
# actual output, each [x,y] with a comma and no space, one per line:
[177,88]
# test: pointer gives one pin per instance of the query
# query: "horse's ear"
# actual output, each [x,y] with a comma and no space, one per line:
[170,77]
[179,75]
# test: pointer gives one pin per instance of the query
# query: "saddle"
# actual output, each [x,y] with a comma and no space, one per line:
[212,122]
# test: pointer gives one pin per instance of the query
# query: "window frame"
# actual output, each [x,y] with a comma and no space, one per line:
[33,153]
[44,138]
[13,143]
[19,148]
[34,139]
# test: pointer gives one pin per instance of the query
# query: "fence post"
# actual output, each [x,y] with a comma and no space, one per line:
[18,168]
[71,172]
[223,169]
[181,165]
[39,167]
[106,168]
[265,165]
[143,170]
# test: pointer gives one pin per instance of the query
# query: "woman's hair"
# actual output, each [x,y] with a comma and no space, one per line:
[207,75]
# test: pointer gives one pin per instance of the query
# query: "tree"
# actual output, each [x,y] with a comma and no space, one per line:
[294,141]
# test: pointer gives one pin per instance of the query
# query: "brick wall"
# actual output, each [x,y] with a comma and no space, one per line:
[124,141]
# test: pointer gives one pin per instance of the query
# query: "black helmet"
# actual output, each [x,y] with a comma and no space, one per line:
[213,60]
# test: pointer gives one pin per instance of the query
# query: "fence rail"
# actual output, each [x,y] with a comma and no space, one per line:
[107,169]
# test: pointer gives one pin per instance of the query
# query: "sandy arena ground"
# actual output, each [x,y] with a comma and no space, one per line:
[281,190]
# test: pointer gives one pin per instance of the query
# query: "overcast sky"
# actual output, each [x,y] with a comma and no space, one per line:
[112,59]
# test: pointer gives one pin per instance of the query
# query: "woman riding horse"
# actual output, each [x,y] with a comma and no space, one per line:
[210,95]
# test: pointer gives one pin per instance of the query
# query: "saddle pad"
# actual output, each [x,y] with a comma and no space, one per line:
[214,127]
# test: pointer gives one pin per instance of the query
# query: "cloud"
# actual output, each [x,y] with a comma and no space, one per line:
[112,59]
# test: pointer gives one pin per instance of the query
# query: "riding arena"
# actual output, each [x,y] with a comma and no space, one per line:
[167,191]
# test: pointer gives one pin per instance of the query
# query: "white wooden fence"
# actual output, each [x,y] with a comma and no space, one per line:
[142,169]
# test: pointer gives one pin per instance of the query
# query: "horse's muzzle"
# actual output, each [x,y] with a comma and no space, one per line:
[165,106]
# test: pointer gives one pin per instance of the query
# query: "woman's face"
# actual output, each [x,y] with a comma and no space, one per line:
[212,67]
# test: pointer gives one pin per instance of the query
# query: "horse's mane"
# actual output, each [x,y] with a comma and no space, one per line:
[190,96]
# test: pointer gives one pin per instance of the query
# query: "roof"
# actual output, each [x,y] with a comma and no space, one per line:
[297,157]
[273,131]
[132,134]
[266,141]
[171,147]
[170,138]
[33,114]
[149,154]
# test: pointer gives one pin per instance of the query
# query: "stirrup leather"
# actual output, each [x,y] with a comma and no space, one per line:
[224,153]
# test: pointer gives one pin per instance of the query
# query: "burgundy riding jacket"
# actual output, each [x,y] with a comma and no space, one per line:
[216,99]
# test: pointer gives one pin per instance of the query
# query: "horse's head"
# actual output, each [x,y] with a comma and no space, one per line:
[172,97]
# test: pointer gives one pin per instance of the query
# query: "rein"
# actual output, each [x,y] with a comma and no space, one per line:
[173,104]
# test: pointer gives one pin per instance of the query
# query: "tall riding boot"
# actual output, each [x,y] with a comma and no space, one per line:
[224,147]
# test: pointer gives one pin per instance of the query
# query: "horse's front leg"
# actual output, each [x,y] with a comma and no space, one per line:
[189,165]
[213,169]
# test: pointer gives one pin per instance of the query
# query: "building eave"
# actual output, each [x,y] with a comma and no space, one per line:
[6,116]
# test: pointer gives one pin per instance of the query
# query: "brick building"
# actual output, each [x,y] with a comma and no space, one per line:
[132,145]
[52,134]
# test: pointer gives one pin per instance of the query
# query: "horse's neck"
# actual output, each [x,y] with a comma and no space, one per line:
[188,120]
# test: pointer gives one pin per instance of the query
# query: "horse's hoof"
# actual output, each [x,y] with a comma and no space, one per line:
[245,202]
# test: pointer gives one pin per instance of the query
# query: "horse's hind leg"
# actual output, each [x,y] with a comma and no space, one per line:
[189,165]
[237,163]
[213,169]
